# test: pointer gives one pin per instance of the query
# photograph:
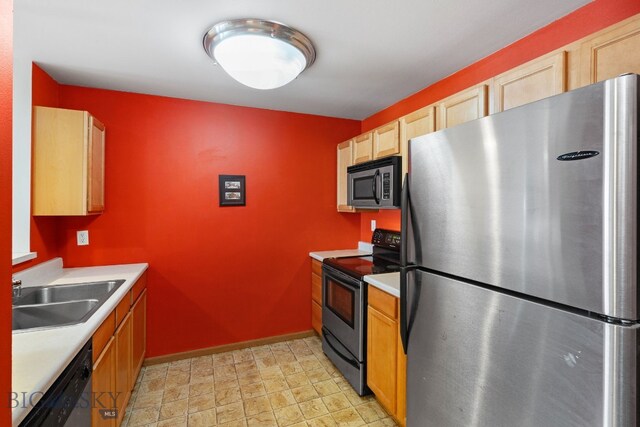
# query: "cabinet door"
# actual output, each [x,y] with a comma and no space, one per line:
[123,365]
[95,174]
[382,358]
[103,386]
[412,125]
[138,335]
[386,141]
[58,161]
[540,78]
[363,148]
[316,317]
[612,53]
[462,107]
[345,159]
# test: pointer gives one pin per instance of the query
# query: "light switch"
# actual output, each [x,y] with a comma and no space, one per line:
[373,225]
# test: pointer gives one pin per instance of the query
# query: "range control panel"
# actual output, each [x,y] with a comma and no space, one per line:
[386,238]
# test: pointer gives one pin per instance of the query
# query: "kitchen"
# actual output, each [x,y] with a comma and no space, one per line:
[161,207]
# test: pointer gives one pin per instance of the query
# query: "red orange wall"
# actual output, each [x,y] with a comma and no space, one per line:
[217,274]
[44,230]
[578,24]
[6,119]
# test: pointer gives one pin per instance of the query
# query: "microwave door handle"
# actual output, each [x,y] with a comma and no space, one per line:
[375,187]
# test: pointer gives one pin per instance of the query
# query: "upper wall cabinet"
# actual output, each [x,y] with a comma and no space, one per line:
[462,107]
[611,53]
[68,162]
[363,148]
[537,79]
[345,159]
[413,125]
[386,140]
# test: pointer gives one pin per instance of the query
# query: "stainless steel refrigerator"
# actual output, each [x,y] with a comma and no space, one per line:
[519,295]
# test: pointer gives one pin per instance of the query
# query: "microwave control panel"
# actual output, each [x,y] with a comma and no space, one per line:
[386,186]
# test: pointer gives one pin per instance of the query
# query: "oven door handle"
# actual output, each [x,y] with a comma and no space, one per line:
[374,187]
[342,356]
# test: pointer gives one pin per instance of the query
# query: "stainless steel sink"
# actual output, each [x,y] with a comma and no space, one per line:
[62,293]
[60,305]
[54,314]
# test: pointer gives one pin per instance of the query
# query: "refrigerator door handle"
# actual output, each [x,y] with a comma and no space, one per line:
[404,220]
[404,311]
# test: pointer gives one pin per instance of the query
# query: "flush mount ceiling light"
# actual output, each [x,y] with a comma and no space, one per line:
[259,54]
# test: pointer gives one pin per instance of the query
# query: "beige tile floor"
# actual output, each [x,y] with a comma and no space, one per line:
[285,384]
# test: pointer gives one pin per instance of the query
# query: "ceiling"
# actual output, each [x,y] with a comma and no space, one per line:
[371,53]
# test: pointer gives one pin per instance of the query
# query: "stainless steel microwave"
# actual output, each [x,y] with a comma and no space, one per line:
[375,184]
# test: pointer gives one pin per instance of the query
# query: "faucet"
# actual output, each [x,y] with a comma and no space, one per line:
[17,287]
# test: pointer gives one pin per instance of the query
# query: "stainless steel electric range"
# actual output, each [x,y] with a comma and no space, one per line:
[344,308]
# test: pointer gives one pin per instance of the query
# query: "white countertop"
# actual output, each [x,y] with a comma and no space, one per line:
[364,249]
[388,282]
[39,357]
[338,254]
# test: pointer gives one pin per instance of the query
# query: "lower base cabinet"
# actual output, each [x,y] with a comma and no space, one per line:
[386,361]
[104,378]
[119,347]
[316,296]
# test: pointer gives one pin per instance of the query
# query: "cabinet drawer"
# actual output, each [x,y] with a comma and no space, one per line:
[138,287]
[316,317]
[316,267]
[103,334]
[383,302]
[122,309]
[316,288]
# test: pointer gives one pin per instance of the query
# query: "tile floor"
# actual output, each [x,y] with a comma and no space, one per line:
[285,384]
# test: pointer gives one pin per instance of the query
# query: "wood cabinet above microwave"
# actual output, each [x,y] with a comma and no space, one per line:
[68,162]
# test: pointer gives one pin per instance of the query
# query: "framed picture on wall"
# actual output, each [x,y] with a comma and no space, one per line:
[232,190]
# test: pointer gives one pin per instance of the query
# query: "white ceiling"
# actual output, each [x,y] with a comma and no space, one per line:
[371,53]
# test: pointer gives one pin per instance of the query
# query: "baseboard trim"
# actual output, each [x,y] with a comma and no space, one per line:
[227,347]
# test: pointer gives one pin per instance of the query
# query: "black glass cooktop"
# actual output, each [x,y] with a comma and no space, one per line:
[362,266]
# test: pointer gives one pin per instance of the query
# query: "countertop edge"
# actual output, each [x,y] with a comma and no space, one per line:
[388,282]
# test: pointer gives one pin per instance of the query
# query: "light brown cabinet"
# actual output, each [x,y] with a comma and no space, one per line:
[119,346]
[123,365]
[386,361]
[462,107]
[104,378]
[537,79]
[611,52]
[345,159]
[68,162]
[138,333]
[386,140]
[363,148]
[412,125]
[316,296]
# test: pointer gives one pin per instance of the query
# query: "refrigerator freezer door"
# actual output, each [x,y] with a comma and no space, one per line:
[540,199]
[477,357]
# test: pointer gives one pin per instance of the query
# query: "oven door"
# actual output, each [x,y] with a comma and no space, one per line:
[344,298]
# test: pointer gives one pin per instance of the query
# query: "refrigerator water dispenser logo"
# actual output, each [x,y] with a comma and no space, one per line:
[577,155]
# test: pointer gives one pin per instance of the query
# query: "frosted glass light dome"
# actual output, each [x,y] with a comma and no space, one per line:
[259,54]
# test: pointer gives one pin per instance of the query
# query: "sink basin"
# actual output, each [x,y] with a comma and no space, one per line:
[62,293]
[55,314]
[60,305]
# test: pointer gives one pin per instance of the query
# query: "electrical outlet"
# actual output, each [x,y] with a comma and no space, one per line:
[373,225]
[83,237]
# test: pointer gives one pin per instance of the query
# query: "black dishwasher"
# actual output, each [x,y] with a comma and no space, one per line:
[68,400]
